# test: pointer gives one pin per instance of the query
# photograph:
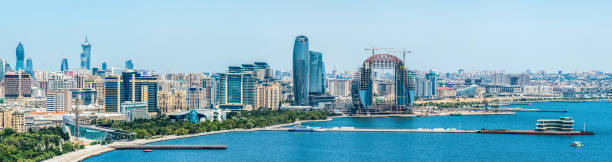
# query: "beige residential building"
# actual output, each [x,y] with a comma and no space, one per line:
[268,96]
[9,118]
[170,102]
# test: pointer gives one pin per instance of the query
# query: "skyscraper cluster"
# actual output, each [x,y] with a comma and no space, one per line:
[308,72]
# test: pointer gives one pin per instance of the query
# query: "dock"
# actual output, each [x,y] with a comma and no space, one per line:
[440,130]
[171,147]
[351,129]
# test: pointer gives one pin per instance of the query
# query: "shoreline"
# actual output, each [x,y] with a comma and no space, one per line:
[91,151]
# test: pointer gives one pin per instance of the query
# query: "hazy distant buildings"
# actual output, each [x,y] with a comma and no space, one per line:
[86,55]
[129,65]
[64,65]
[301,71]
[3,68]
[29,67]
[103,66]
[20,57]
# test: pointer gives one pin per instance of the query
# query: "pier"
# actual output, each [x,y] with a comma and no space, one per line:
[351,129]
[440,130]
[171,147]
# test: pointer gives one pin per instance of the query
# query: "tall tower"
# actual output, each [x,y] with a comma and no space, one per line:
[20,56]
[317,74]
[64,66]
[301,70]
[86,55]
[129,64]
[29,67]
[104,66]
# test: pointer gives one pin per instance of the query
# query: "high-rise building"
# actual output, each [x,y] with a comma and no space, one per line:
[268,96]
[196,98]
[433,78]
[3,68]
[59,81]
[20,57]
[301,70]
[17,84]
[171,102]
[103,66]
[236,89]
[64,65]
[59,101]
[129,64]
[317,74]
[86,55]
[339,87]
[29,67]
[130,86]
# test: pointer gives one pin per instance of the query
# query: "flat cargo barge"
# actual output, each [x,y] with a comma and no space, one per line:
[532,132]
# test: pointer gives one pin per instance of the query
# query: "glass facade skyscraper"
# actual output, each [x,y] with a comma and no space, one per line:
[20,57]
[3,68]
[301,70]
[129,64]
[86,55]
[29,67]
[317,73]
[64,66]
[103,66]
[237,88]
[133,87]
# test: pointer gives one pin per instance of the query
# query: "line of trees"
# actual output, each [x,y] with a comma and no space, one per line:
[35,145]
[146,128]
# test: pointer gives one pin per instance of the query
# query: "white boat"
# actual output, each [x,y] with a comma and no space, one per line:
[577,144]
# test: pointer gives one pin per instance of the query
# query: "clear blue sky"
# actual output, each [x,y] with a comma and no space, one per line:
[207,36]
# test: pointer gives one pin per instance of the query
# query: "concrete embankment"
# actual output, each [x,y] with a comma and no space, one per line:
[94,150]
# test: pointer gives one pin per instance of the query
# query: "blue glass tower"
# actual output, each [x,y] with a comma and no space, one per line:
[20,56]
[129,64]
[64,66]
[317,73]
[86,55]
[301,70]
[103,66]
[29,67]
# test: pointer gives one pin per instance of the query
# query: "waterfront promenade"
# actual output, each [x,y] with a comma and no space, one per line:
[94,150]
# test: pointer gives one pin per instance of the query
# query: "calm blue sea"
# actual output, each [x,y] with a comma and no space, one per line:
[367,146]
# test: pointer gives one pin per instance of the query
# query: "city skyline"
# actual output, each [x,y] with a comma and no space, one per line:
[472,36]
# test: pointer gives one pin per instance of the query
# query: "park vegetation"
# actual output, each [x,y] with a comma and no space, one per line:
[35,145]
[147,128]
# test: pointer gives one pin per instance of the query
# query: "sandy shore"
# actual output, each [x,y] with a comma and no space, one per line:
[94,150]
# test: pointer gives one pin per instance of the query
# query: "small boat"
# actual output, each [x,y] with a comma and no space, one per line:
[147,150]
[300,128]
[577,144]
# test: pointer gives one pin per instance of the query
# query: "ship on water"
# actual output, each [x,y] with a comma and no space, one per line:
[300,128]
